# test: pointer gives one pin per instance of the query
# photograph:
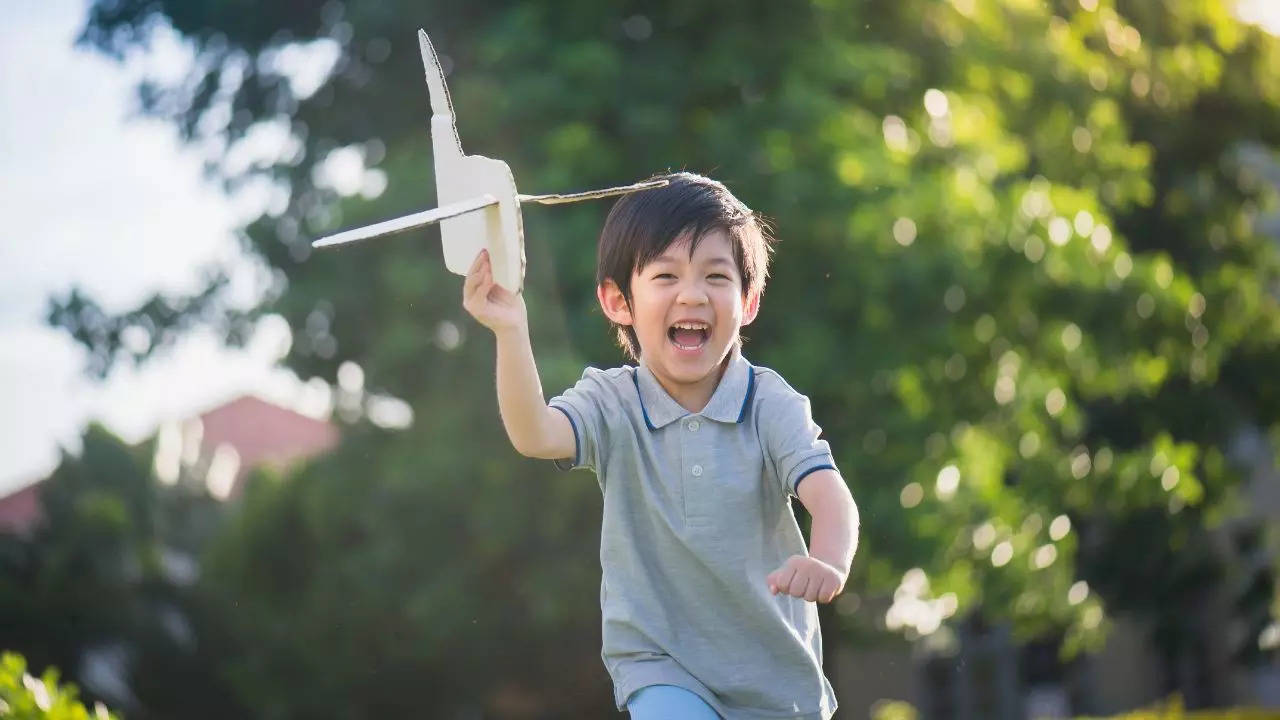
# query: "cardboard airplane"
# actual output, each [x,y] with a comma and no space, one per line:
[478,204]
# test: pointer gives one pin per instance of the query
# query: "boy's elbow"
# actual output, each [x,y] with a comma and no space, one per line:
[541,448]
[532,451]
[528,448]
[551,439]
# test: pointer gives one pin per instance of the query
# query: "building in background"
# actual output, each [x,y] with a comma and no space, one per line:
[20,510]
[218,448]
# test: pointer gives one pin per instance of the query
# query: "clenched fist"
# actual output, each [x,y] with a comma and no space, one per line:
[806,577]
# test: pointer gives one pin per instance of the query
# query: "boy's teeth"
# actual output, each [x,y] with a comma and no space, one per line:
[689,335]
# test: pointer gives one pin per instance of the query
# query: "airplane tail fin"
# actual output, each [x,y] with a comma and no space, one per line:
[444,128]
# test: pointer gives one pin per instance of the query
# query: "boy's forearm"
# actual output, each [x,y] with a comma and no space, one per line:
[520,401]
[833,535]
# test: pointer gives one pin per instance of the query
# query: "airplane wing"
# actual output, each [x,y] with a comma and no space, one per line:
[557,198]
[427,217]
[408,222]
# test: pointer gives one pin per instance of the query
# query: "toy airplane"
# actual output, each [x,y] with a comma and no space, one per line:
[478,204]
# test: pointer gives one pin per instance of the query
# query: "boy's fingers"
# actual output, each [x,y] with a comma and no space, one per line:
[469,289]
[783,577]
[474,274]
[472,279]
[479,282]
[772,581]
[836,587]
[810,591]
[486,287]
[486,275]
[795,588]
[828,591]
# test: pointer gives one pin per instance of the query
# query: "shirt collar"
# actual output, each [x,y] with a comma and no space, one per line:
[728,404]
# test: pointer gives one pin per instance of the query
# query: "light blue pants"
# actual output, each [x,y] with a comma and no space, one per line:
[668,702]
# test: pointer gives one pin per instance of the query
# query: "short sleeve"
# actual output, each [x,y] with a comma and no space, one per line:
[584,404]
[791,438]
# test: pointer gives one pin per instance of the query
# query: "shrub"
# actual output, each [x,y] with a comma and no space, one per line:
[26,697]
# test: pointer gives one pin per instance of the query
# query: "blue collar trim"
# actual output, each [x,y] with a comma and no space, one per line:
[751,390]
[635,377]
[729,403]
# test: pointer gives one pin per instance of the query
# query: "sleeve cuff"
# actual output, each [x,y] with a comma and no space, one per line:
[820,463]
[570,463]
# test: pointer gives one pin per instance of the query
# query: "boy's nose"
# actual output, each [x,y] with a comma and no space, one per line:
[692,294]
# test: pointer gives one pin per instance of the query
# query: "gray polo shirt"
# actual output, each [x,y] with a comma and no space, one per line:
[697,512]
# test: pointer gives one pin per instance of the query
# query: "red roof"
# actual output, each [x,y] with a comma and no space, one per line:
[20,510]
[265,434]
[260,432]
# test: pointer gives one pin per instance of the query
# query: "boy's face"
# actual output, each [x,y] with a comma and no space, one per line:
[686,310]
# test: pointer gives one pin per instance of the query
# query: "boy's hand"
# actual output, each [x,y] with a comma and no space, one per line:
[806,577]
[492,305]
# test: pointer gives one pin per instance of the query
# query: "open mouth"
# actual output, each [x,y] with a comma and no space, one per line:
[689,335]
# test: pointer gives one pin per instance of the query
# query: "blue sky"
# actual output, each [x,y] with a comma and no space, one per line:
[93,196]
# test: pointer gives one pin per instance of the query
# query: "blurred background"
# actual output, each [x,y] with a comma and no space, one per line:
[1029,275]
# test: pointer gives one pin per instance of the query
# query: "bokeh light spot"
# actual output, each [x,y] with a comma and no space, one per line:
[1059,528]
[1002,554]
[904,231]
[1055,401]
[911,495]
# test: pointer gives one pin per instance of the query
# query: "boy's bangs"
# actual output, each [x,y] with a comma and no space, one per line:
[651,247]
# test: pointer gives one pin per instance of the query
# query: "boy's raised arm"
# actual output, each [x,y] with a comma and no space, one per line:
[534,429]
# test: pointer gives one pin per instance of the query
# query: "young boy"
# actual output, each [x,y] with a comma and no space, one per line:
[708,590]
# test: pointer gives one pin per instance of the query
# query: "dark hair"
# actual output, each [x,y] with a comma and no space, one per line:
[642,225]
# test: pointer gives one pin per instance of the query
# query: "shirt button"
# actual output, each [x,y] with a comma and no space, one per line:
[696,470]
[693,426]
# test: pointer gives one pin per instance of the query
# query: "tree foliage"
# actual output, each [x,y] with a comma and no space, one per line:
[1022,278]
[26,697]
[94,583]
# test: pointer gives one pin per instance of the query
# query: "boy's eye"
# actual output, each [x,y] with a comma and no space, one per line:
[718,276]
[664,276]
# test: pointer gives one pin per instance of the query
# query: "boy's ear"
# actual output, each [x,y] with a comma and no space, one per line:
[613,303]
[750,308]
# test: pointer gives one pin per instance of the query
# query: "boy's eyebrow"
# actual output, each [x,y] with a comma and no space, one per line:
[719,260]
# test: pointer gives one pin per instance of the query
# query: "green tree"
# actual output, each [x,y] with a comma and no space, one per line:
[70,585]
[94,578]
[1022,280]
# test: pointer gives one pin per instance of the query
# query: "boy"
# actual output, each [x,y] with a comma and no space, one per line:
[707,590]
